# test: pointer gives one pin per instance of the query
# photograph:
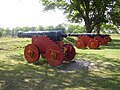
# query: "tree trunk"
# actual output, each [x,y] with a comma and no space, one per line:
[88,27]
[98,29]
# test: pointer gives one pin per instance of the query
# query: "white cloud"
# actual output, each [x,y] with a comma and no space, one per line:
[27,13]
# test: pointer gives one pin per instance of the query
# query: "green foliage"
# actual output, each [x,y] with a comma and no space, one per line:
[50,28]
[26,28]
[115,14]
[60,27]
[108,28]
[75,29]
[40,28]
[0,33]
[92,12]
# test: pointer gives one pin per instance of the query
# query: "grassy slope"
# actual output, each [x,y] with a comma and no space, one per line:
[17,74]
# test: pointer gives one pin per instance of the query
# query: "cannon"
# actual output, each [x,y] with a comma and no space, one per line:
[90,40]
[103,39]
[84,40]
[48,45]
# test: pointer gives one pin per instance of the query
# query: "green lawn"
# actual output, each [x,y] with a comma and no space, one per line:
[17,74]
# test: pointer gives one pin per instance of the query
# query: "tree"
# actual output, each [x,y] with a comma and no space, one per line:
[0,33]
[50,28]
[92,12]
[15,30]
[40,28]
[109,28]
[25,29]
[115,14]
[8,32]
[75,29]
[60,27]
[33,28]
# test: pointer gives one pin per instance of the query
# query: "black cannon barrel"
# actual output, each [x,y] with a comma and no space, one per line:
[81,34]
[103,35]
[92,35]
[57,35]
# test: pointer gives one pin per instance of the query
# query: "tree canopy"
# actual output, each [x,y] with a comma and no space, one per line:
[115,14]
[92,12]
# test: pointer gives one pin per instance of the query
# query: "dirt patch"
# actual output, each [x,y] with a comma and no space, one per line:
[77,65]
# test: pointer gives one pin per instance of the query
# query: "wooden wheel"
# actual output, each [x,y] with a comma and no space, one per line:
[31,53]
[54,55]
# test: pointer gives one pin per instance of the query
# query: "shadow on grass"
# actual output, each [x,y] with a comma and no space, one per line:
[22,76]
[16,57]
[69,40]
[111,64]
[2,49]
[114,44]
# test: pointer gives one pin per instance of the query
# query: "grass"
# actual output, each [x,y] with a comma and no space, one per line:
[17,74]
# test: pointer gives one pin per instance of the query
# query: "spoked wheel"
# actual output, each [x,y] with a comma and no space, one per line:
[80,44]
[86,39]
[54,55]
[31,53]
[93,44]
[69,52]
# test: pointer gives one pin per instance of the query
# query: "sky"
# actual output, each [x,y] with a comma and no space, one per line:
[22,13]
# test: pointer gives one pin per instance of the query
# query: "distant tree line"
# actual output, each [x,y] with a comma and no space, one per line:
[67,28]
